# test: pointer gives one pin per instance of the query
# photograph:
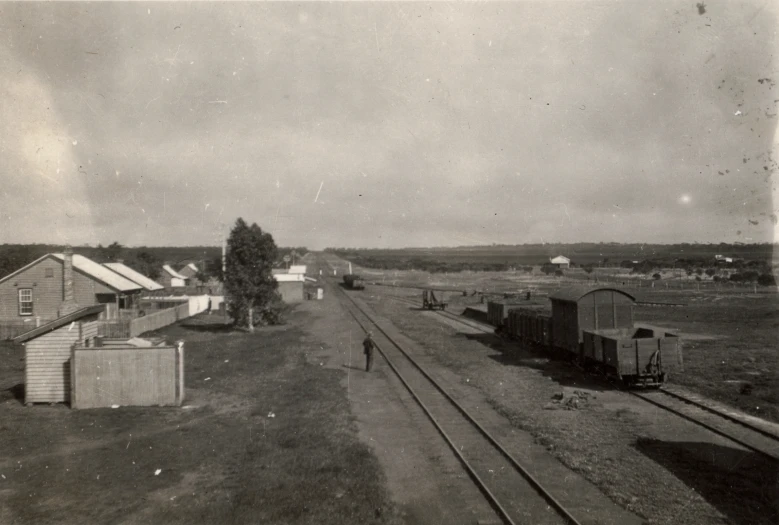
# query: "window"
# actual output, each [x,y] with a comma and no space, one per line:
[25,301]
[49,272]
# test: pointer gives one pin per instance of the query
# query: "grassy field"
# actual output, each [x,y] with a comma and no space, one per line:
[649,462]
[729,333]
[264,437]
[504,257]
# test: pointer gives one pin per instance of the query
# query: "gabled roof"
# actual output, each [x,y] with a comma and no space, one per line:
[23,268]
[136,277]
[192,267]
[560,259]
[575,293]
[88,267]
[172,272]
[101,273]
[60,322]
[297,269]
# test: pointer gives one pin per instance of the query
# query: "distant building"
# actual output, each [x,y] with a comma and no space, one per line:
[561,261]
[171,278]
[189,271]
[60,283]
[290,286]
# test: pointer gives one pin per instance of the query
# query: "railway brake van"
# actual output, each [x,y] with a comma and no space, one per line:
[597,326]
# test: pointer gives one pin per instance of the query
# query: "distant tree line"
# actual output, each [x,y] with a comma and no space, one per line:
[146,260]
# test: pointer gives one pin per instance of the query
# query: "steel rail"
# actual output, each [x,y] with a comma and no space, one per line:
[724,415]
[446,314]
[647,398]
[722,433]
[561,510]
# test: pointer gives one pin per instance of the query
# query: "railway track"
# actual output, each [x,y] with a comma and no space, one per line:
[512,491]
[472,324]
[735,429]
[732,426]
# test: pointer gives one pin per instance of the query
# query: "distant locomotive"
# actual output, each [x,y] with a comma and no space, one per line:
[596,327]
[354,282]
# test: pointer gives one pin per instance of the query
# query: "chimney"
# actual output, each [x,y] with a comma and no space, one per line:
[68,298]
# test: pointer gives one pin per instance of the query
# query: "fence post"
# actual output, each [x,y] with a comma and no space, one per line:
[180,364]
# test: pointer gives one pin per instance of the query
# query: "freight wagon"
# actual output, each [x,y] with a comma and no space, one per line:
[498,311]
[595,326]
[354,282]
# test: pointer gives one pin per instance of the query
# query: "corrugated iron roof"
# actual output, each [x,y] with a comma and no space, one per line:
[172,272]
[101,273]
[575,293]
[137,277]
[58,323]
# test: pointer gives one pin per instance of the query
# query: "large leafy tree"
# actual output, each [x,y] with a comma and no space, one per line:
[249,282]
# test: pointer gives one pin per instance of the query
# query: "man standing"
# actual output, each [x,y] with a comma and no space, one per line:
[368,346]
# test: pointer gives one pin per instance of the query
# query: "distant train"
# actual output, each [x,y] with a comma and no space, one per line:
[354,282]
[596,327]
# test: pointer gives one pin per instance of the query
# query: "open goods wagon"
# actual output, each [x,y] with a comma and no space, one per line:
[595,326]
[354,282]
[635,355]
[498,311]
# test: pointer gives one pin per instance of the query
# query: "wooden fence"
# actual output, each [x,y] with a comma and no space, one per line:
[158,320]
[127,375]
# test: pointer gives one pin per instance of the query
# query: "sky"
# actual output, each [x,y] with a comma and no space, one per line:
[389,124]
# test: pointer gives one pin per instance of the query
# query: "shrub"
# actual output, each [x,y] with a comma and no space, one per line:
[766,279]
[746,389]
[656,277]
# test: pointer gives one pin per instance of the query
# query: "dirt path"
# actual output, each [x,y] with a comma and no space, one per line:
[424,478]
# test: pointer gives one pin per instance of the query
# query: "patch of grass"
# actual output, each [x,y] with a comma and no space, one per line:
[223,460]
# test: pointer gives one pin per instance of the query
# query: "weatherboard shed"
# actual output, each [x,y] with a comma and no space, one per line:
[47,354]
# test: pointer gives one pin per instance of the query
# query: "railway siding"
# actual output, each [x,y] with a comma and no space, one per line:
[572,490]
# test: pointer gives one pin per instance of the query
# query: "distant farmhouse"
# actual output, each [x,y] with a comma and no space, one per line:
[171,278]
[60,283]
[561,261]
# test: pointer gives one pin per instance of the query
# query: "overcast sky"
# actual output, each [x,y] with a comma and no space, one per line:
[388,124]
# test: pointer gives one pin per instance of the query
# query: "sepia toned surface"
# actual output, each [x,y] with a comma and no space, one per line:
[438,174]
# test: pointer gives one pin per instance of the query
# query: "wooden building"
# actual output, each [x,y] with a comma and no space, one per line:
[171,278]
[189,271]
[47,354]
[290,287]
[60,283]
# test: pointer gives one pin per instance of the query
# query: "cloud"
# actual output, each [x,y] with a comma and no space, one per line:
[425,124]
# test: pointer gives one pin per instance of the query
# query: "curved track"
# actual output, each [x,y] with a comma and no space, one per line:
[730,426]
[512,491]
